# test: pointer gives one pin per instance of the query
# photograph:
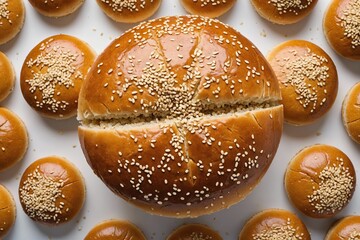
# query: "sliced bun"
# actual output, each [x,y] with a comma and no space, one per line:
[193,232]
[7,211]
[208,8]
[12,19]
[345,228]
[351,112]
[56,8]
[7,80]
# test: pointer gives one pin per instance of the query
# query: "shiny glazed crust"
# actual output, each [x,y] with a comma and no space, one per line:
[56,8]
[7,76]
[345,228]
[7,211]
[194,232]
[351,112]
[13,22]
[208,8]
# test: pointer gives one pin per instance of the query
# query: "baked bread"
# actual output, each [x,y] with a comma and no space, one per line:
[341,27]
[208,8]
[194,232]
[52,75]
[13,139]
[350,112]
[56,8]
[7,74]
[346,228]
[320,181]
[7,211]
[308,80]
[52,190]
[129,11]
[284,11]
[115,230]
[12,19]
[177,122]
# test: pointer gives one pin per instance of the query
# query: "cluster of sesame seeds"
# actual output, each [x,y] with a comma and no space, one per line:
[129,5]
[354,235]
[292,6]
[210,2]
[279,232]
[334,190]
[350,21]
[199,236]
[4,11]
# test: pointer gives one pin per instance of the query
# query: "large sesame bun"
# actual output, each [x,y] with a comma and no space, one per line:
[56,8]
[115,230]
[194,231]
[350,112]
[7,76]
[129,11]
[284,11]
[274,224]
[320,181]
[13,139]
[7,211]
[52,190]
[12,19]
[177,122]
[341,26]
[52,75]
[208,8]
[345,228]
[308,80]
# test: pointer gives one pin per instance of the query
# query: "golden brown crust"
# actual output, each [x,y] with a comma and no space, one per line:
[351,112]
[12,21]
[274,224]
[7,211]
[13,139]
[194,232]
[52,190]
[308,80]
[341,27]
[320,181]
[284,11]
[7,74]
[52,75]
[56,8]
[131,11]
[208,8]
[115,230]
[346,228]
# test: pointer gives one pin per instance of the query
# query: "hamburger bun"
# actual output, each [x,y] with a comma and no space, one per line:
[52,190]
[308,80]
[52,75]
[7,211]
[12,19]
[13,139]
[183,124]
[345,228]
[341,27]
[56,8]
[350,112]
[208,8]
[7,80]
[194,232]
[320,181]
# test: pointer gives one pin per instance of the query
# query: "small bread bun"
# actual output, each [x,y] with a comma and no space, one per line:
[52,190]
[320,181]
[194,232]
[284,11]
[115,230]
[7,211]
[13,139]
[7,76]
[56,8]
[346,228]
[350,112]
[12,19]
[274,224]
[208,8]
[308,80]
[129,11]
[52,75]
[341,27]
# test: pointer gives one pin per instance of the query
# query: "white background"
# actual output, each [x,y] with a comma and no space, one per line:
[50,137]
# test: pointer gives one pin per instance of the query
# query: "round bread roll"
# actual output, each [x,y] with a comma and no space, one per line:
[7,211]
[346,228]
[115,230]
[351,112]
[194,232]
[13,139]
[7,80]
[320,181]
[208,8]
[52,190]
[308,80]
[284,11]
[129,11]
[52,75]
[56,8]
[341,27]
[12,14]
[180,123]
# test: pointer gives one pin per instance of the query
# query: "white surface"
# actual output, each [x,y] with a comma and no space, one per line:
[49,137]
